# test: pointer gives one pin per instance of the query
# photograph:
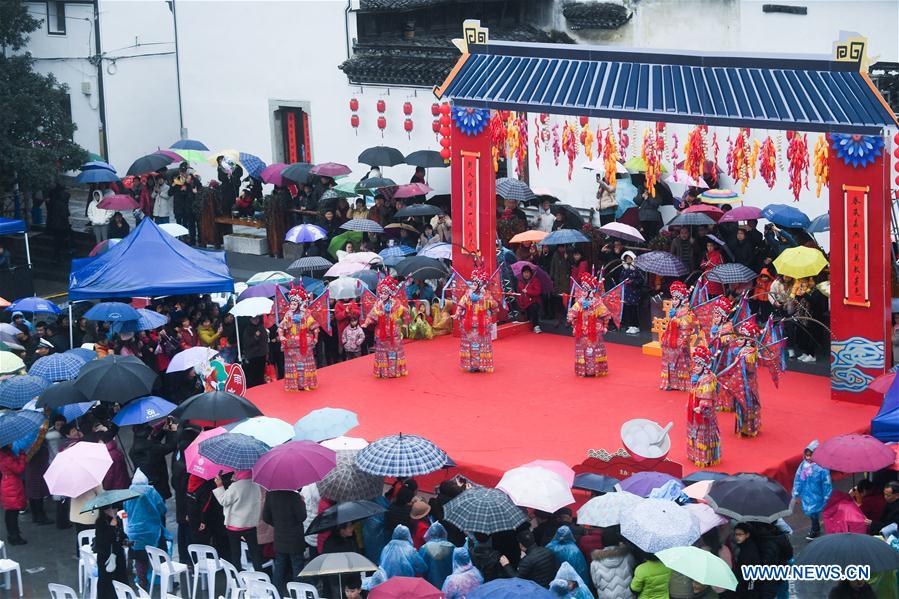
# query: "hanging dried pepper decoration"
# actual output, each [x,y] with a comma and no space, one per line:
[768,162]
[557,148]
[694,153]
[610,158]
[797,155]
[822,173]
[651,160]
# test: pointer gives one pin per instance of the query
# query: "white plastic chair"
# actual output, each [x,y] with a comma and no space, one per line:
[91,574]
[7,567]
[235,588]
[85,542]
[167,569]
[61,591]
[248,576]
[123,591]
[246,563]
[206,561]
[302,590]
[263,590]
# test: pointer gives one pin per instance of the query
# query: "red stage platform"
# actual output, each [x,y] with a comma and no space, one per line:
[534,406]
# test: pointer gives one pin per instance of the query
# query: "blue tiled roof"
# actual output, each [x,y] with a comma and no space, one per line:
[808,94]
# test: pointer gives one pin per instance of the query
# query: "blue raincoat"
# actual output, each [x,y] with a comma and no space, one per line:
[465,577]
[399,558]
[566,550]
[437,554]
[812,486]
[373,531]
[566,575]
[146,514]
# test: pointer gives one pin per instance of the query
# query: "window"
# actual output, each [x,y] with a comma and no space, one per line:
[56,17]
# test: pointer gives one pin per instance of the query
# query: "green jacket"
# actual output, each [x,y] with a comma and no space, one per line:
[651,580]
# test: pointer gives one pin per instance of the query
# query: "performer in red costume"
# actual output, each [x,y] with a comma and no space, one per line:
[388,312]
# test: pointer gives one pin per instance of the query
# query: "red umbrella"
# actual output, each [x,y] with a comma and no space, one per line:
[176,157]
[854,453]
[631,217]
[403,587]
[103,247]
[882,383]
[330,169]
[272,174]
[712,212]
[842,514]
[411,190]
[118,202]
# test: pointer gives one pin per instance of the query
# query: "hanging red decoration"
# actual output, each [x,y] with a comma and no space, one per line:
[445,153]
[537,141]
[435,126]
[445,108]
[445,142]
[435,109]
[445,120]
[694,154]
[382,106]
[584,121]
[445,130]
[354,121]
[407,125]
[768,162]
[382,124]
[797,154]
[497,138]
[354,104]
[407,108]
[625,123]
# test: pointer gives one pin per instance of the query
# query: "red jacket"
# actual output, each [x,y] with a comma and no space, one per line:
[528,292]
[344,312]
[579,269]
[12,487]
[188,339]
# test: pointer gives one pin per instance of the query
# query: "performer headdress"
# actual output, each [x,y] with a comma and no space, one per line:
[388,284]
[588,281]
[479,275]
[678,288]
[298,292]
[723,305]
[749,329]
[702,355]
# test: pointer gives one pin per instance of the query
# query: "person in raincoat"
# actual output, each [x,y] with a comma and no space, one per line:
[399,558]
[145,525]
[566,550]
[437,554]
[465,577]
[373,531]
[812,487]
[572,584]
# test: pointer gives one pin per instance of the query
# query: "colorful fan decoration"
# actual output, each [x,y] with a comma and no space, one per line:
[857,150]
[471,121]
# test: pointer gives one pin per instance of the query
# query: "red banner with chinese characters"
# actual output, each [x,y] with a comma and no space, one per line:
[855,250]
[292,137]
[470,205]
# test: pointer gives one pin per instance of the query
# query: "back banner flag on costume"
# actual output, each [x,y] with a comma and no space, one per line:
[614,301]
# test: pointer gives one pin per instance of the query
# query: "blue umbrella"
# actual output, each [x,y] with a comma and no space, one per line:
[590,481]
[34,304]
[401,455]
[15,425]
[368,277]
[305,234]
[661,263]
[189,144]
[785,216]
[484,510]
[57,367]
[96,175]
[564,237]
[143,410]
[233,450]
[511,588]
[148,321]
[85,354]
[112,312]
[393,260]
[95,164]
[325,423]
[17,391]
[396,251]
[820,224]
[76,410]
[625,192]
[253,164]
[313,286]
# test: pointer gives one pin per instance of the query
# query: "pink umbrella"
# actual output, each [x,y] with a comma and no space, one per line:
[118,202]
[546,283]
[707,517]
[554,466]
[197,464]
[347,267]
[293,465]
[741,213]
[712,212]
[272,174]
[411,190]
[78,469]
[174,156]
[330,169]
[622,231]
[403,587]
[854,453]
[842,514]
[699,490]
[681,177]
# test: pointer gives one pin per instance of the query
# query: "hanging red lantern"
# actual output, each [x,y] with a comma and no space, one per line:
[445,153]
[354,104]
[445,108]
[584,120]
[445,131]
[354,120]
[435,126]
[407,108]
[435,109]
[445,120]
[896,139]
[382,124]
[382,106]
[407,125]
[445,142]
[624,123]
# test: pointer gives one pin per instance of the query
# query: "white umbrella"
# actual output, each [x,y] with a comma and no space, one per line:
[345,268]
[10,362]
[657,524]
[269,276]
[251,306]
[680,177]
[536,488]
[174,229]
[271,431]
[606,510]
[345,288]
[706,516]
[191,358]
[344,443]
[363,257]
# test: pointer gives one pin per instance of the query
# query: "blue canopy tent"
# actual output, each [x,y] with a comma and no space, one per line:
[885,425]
[11,226]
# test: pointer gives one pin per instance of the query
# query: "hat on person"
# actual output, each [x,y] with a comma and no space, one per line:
[678,288]
[139,478]
[45,343]
[702,355]
[420,509]
[630,254]
[812,446]
[723,305]
[17,313]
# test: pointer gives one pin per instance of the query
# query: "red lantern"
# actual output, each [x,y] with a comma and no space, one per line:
[435,109]
[407,125]
[624,123]
[382,106]
[382,123]
[445,120]
[445,131]
[897,181]
[435,126]
[354,120]
[896,139]
[584,121]
[354,104]
[407,108]
[445,153]
[445,142]
[896,153]
[445,108]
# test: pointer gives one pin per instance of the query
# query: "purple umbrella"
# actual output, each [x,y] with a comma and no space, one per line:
[272,174]
[330,169]
[261,290]
[642,483]
[854,453]
[293,465]
[622,231]
[661,263]
[305,234]
[175,156]
[546,284]
[741,213]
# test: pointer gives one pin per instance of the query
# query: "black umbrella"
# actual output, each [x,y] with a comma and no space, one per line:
[61,394]
[381,156]
[442,201]
[701,475]
[426,159]
[570,214]
[538,201]
[216,406]
[750,497]
[598,483]
[421,267]
[418,210]
[849,549]
[115,379]
[376,183]
[298,172]
[148,164]
[348,511]
[690,218]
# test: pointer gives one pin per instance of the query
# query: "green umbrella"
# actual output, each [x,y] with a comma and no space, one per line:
[638,165]
[340,240]
[699,565]
[346,190]
[108,498]
[191,155]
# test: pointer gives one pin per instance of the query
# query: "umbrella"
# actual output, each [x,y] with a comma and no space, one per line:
[197,464]
[348,511]
[95,164]
[34,304]
[10,362]
[344,443]
[731,273]
[849,549]
[418,210]
[293,465]
[364,225]
[396,253]
[426,159]
[556,466]
[61,394]
[622,231]
[234,450]
[103,247]
[786,216]
[272,174]
[741,213]
[97,175]
[598,483]
[661,263]
[369,278]
[118,202]
[148,321]
[56,367]
[513,189]
[401,455]
[345,268]
[252,306]
[703,475]
[750,497]
[261,290]
[216,406]
[253,164]
[172,156]
[196,156]
[109,498]
[440,251]
[363,257]
[713,212]
[112,312]
[564,237]
[698,490]
[189,144]
[345,288]
[298,172]
[638,165]
[532,236]
[546,283]
[572,217]
[271,431]
[115,379]
[76,410]
[380,156]
[690,219]
[191,358]
[643,483]
[330,169]
[310,264]
[800,262]
[148,164]
[853,453]
[396,227]
[657,524]
[699,565]
[17,391]
[174,229]
[269,276]
[420,267]
[78,469]
[681,177]
[16,425]
[375,183]
[511,588]
[305,234]
[412,190]
[324,423]
[536,488]
[706,516]
[483,510]
[403,587]
[820,224]
[143,410]
[338,563]
[338,242]
[607,509]
[720,196]
[346,482]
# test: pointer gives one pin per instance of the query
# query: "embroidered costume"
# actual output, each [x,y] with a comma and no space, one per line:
[745,386]
[703,437]
[388,312]
[677,339]
[589,317]
[476,311]
[298,334]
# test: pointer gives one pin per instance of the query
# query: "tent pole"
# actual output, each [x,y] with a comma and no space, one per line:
[71,329]
[237,334]
[27,249]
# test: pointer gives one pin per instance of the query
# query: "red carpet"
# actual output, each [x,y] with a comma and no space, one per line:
[534,406]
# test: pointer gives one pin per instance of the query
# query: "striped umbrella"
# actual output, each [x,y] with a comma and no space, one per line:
[15,425]
[234,450]
[253,165]
[82,352]
[564,237]
[362,224]
[310,264]
[401,455]
[56,367]
[483,510]
[731,273]
[148,321]
[691,218]
[662,264]
[305,234]
[513,189]
[396,251]
[346,482]
[17,391]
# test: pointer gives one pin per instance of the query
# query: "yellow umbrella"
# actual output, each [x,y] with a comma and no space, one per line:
[800,262]
[10,362]
[535,236]
[234,155]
